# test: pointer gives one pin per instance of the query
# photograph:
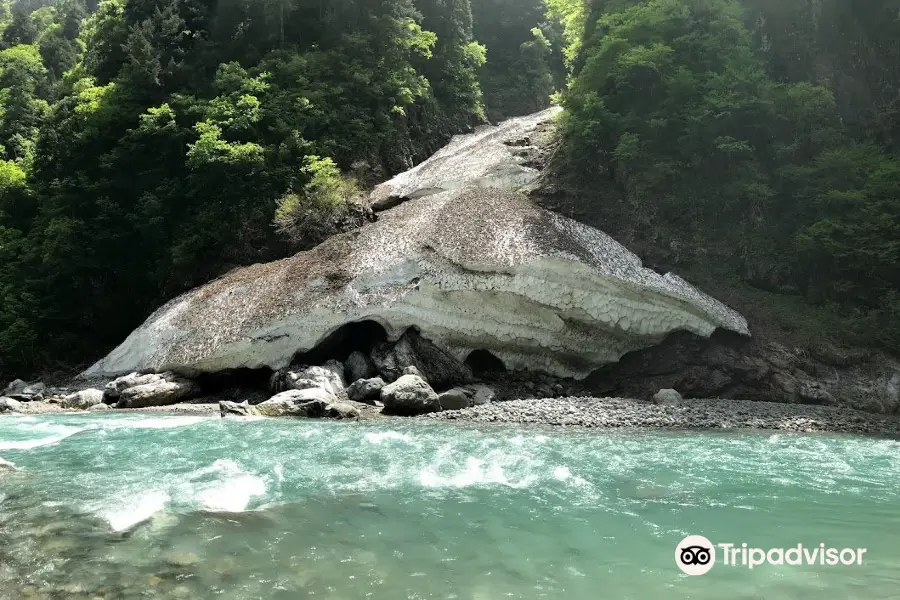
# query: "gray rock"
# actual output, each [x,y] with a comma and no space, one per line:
[36,391]
[409,396]
[16,386]
[233,409]
[7,466]
[438,367]
[667,396]
[9,405]
[455,399]
[482,394]
[359,366]
[310,402]
[114,388]
[25,393]
[412,370]
[82,400]
[337,367]
[342,410]
[100,406]
[170,390]
[326,378]
[365,390]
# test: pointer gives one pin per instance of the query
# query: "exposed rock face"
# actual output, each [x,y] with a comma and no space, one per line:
[468,261]
[731,367]
[438,367]
[359,366]
[409,396]
[365,390]
[82,400]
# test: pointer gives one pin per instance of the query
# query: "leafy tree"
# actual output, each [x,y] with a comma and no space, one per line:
[524,56]
[23,81]
[328,196]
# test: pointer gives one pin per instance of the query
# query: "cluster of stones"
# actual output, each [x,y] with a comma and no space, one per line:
[18,395]
[668,410]
[131,391]
[323,391]
[396,379]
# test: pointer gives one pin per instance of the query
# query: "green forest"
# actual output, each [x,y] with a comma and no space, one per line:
[751,141]
[152,145]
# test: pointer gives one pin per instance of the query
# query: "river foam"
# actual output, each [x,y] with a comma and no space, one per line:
[409,508]
[137,510]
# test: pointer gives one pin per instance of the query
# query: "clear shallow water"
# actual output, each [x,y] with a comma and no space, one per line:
[191,507]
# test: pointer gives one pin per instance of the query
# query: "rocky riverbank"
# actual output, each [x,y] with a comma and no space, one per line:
[601,413]
[615,413]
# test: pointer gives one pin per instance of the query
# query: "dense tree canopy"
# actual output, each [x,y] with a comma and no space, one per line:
[756,137]
[150,145]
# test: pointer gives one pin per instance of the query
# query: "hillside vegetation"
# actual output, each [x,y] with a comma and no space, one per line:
[752,139]
[148,146]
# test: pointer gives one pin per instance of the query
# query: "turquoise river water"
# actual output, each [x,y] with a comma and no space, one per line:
[143,506]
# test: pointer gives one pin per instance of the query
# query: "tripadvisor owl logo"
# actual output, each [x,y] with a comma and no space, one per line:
[695,555]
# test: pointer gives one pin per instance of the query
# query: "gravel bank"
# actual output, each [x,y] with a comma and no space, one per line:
[612,413]
[43,408]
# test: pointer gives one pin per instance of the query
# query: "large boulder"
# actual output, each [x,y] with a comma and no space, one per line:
[9,405]
[310,402]
[235,409]
[482,394]
[342,410]
[667,397]
[365,390]
[167,390]
[16,386]
[467,260]
[455,399]
[409,396]
[82,400]
[25,392]
[114,388]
